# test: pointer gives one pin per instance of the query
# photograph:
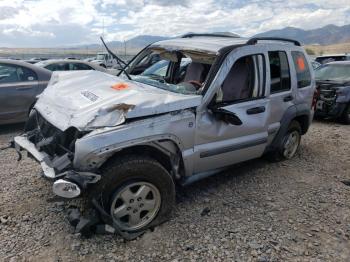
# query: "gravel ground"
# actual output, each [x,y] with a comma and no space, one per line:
[297,210]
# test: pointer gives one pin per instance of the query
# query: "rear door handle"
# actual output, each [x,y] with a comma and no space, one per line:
[256,110]
[288,98]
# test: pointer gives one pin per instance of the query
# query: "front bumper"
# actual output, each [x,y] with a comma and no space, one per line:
[326,109]
[68,184]
[22,142]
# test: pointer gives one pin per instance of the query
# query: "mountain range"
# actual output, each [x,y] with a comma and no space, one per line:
[330,34]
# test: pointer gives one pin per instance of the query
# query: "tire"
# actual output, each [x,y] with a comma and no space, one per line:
[129,178]
[345,117]
[281,154]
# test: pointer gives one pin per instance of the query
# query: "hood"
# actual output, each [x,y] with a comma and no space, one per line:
[97,61]
[92,99]
[332,84]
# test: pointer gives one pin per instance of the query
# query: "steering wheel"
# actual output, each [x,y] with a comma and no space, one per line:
[196,84]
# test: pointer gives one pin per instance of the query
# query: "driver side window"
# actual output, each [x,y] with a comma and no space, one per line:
[245,80]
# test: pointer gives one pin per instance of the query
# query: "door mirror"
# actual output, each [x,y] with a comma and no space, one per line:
[226,116]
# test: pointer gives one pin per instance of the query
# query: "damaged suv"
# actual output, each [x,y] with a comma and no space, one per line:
[333,91]
[212,101]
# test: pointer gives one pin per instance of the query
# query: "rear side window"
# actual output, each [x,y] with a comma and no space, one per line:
[26,74]
[8,74]
[14,73]
[79,66]
[279,71]
[57,67]
[302,69]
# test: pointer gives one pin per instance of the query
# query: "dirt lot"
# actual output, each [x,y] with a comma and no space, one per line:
[296,210]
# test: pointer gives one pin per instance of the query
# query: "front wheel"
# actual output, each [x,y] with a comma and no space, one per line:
[137,192]
[345,117]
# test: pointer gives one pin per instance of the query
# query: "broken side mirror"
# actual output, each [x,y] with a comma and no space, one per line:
[226,116]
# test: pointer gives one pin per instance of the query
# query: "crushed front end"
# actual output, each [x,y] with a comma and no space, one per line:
[54,150]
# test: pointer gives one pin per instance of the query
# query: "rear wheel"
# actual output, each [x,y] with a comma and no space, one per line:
[290,143]
[345,117]
[137,192]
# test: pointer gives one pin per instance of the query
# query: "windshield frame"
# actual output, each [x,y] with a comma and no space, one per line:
[183,54]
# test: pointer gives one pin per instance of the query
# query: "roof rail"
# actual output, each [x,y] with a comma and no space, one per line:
[212,35]
[254,40]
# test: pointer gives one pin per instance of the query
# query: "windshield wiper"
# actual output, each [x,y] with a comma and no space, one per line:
[119,61]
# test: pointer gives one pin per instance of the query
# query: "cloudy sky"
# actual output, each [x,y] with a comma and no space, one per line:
[41,23]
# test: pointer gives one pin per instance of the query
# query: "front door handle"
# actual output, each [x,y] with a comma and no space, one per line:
[256,110]
[24,88]
[288,98]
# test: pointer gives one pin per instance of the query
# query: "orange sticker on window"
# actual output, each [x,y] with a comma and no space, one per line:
[301,63]
[120,86]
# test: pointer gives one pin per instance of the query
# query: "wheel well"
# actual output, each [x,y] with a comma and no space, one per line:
[163,158]
[303,121]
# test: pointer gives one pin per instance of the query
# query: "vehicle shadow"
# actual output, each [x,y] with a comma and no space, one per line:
[327,121]
[11,128]
[246,172]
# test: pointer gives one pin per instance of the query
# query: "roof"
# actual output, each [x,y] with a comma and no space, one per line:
[51,61]
[203,43]
[212,44]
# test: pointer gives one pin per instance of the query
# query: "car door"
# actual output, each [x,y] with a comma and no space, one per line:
[17,92]
[231,125]
[279,89]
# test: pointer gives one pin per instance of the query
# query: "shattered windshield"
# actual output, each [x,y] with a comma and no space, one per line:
[174,71]
[333,72]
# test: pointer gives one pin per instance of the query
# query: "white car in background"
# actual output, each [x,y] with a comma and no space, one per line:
[69,65]
[104,60]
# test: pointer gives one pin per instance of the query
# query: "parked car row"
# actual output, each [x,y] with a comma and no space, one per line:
[22,82]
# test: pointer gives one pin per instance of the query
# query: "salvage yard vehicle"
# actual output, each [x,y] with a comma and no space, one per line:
[333,89]
[104,60]
[324,59]
[126,141]
[20,83]
[69,65]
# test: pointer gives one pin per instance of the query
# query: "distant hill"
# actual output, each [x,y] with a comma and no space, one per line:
[330,34]
[140,41]
[137,42]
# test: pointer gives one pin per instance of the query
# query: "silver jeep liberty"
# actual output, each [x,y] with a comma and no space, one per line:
[208,102]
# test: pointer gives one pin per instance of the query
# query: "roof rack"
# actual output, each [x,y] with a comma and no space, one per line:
[212,35]
[254,40]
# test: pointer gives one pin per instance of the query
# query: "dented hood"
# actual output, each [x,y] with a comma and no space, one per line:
[91,99]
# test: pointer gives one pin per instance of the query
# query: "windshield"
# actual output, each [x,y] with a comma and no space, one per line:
[100,56]
[174,71]
[333,72]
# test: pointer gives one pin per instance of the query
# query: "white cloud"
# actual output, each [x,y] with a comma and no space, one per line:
[47,22]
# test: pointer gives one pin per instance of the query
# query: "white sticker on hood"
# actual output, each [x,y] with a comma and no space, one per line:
[90,96]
